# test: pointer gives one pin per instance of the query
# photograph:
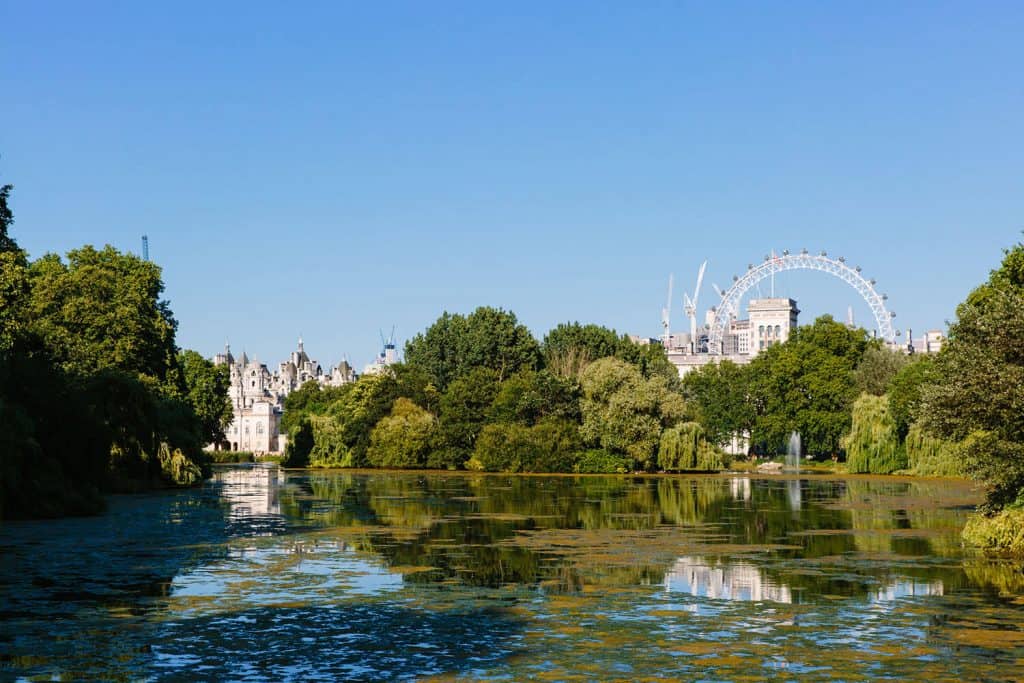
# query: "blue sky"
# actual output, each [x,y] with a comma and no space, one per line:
[334,169]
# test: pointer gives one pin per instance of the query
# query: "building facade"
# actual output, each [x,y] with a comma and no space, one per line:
[257,397]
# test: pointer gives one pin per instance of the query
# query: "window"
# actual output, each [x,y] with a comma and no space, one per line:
[760,331]
[254,382]
[246,429]
[778,330]
[259,428]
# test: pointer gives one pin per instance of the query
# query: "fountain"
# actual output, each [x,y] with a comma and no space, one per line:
[793,452]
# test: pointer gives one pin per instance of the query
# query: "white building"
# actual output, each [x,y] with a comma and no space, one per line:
[257,397]
[769,322]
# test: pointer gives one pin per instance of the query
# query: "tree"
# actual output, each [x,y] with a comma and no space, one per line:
[977,389]
[905,393]
[488,337]
[807,385]
[463,414]
[873,446]
[877,369]
[529,396]
[102,309]
[623,412]
[684,447]
[570,347]
[207,394]
[403,438]
[551,445]
[720,391]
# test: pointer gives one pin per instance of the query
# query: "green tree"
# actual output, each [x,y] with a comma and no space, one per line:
[873,446]
[624,412]
[684,447]
[905,393]
[877,369]
[807,385]
[529,396]
[570,347]
[552,445]
[403,438]
[463,414]
[207,394]
[102,309]
[488,337]
[977,391]
[721,394]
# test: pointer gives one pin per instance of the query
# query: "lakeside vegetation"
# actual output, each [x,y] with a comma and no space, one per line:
[95,397]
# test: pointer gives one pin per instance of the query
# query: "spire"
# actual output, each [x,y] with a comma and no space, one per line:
[245,358]
[300,343]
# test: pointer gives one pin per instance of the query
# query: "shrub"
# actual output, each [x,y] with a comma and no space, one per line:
[549,446]
[598,461]
[402,439]
[929,456]
[873,446]
[1000,534]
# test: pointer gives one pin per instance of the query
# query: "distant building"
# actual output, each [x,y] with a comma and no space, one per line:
[769,322]
[257,397]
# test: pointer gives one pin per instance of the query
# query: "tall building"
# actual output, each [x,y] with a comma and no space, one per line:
[771,322]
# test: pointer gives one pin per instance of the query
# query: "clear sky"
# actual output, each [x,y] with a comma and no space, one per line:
[335,169]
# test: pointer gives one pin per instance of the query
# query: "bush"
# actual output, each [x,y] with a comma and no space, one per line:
[300,444]
[873,446]
[403,438]
[329,449]
[684,447]
[597,461]
[928,456]
[1000,534]
[549,446]
[225,457]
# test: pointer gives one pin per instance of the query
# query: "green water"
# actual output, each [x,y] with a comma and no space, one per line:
[264,575]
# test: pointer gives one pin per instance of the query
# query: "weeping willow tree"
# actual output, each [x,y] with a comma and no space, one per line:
[684,447]
[873,445]
[929,456]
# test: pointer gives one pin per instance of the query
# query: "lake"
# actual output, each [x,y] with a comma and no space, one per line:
[270,575]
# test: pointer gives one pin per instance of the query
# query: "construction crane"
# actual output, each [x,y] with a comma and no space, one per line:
[666,315]
[690,304]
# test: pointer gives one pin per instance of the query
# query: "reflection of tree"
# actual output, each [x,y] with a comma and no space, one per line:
[563,532]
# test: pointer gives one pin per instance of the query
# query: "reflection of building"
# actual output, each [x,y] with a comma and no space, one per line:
[908,588]
[702,578]
[250,491]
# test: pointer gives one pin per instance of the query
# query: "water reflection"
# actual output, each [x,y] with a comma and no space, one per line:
[265,575]
[704,578]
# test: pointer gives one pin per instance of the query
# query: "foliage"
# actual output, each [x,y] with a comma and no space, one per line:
[92,396]
[299,445]
[549,446]
[329,446]
[226,457]
[624,413]
[807,385]
[720,391]
[999,534]
[598,461]
[529,396]
[905,393]
[877,368]
[873,446]
[402,439]
[977,389]
[928,456]
[684,447]
[570,347]
[463,413]
[486,338]
[207,386]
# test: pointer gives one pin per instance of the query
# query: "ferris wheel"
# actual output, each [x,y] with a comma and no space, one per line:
[728,307]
